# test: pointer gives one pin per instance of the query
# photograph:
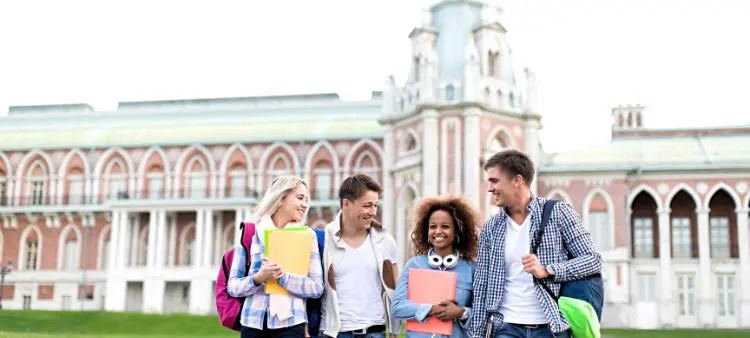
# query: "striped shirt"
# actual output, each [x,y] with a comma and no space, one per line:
[255,307]
[565,233]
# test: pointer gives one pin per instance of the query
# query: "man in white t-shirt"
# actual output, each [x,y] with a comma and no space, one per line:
[507,302]
[360,268]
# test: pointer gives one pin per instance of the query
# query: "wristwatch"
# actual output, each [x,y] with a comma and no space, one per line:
[465,315]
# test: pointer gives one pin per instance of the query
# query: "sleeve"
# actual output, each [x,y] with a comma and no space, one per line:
[238,284]
[465,324]
[402,308]
[578,242]
[310,286]
[478,320]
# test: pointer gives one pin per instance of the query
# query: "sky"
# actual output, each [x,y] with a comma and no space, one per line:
[684,60]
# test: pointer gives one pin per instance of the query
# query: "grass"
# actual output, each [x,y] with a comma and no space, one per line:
[60,324]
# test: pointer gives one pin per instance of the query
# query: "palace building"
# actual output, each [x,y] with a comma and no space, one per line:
[132,209]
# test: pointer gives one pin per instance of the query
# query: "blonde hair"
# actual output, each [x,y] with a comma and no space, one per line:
[271,201]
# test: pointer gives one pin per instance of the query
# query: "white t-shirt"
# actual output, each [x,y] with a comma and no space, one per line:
[520,304]
[359,288]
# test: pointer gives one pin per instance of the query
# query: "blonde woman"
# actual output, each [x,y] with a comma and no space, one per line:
[284,204]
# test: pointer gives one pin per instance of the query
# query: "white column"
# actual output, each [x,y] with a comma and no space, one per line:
[161,239]
[531,147]
[200,295]
[172,255]
[389,197]
[114,238]
[208,239]
[238,217]
[200,231]
[666,309]
[123,246]
[744,246]
[152,239]
[444,155]
[472,148]
[116,284]
[706,302]
[135,241]
[430,151]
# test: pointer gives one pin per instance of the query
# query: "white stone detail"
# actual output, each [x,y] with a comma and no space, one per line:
[517,131]
[741,187]
[702,188]
[663,189]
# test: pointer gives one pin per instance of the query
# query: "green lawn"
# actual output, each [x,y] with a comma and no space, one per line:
[57,324]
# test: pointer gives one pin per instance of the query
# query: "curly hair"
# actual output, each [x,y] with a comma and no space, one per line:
[466,221]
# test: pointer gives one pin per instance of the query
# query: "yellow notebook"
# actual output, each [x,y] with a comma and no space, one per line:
[291,250]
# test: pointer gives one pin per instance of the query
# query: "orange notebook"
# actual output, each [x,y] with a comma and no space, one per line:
[431,287]
[291,250]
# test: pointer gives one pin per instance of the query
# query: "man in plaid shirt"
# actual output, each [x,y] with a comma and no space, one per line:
[505,295]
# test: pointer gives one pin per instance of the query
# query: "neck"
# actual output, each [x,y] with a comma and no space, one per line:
[520,207]
[444,251]
[278,221]
[350,230]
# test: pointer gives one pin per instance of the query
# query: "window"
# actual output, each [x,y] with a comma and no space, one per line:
[71,256]
[155,186]
[511,100]
[725,296]
[189,252]
[719,237]
[644,237]
[27,302]
[646,286]
[600,229]
[197,185]
[681,241]
[239,183]
[116,187]
[416,69]
[75,190]
[492,64]
[37,190]
[3,196]
[322,184]
[686,294]
[30,261]
[449,93]
[66,302]
[105,255]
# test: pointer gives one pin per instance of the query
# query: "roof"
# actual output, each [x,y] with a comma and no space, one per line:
[656,153]
[194,121]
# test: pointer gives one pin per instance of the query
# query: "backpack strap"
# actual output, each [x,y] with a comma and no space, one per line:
[546,213]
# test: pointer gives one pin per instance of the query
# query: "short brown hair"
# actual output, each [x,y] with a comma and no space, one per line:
[512,162]
[466,220]
[355,186]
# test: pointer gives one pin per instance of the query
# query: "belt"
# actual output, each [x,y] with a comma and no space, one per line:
[531,326]
[364,331]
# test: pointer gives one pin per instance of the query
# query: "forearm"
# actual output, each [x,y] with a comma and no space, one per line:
[577,268]
[302,286]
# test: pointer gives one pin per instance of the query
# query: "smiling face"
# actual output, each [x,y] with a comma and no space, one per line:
[441,231]
[505,190]
[294,205]
[362,211]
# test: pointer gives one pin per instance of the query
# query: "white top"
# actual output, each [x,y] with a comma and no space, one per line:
[359,288]
[520,304]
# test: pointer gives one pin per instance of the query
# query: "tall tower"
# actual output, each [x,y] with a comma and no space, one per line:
[462,102]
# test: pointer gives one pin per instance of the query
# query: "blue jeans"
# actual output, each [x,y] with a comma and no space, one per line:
[521,331]
[369,335]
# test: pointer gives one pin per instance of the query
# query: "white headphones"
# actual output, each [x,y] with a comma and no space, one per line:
[447,262]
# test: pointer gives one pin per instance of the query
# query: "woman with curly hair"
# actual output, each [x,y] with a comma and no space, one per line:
[445,236]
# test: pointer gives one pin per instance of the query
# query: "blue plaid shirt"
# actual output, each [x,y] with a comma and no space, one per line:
[564,233]
[255,308]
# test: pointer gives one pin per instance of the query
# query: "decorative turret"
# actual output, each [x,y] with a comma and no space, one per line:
[629,117]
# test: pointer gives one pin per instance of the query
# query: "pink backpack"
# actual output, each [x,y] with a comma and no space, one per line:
[228,307]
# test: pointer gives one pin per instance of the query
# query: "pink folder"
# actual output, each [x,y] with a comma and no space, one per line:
[431,287]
